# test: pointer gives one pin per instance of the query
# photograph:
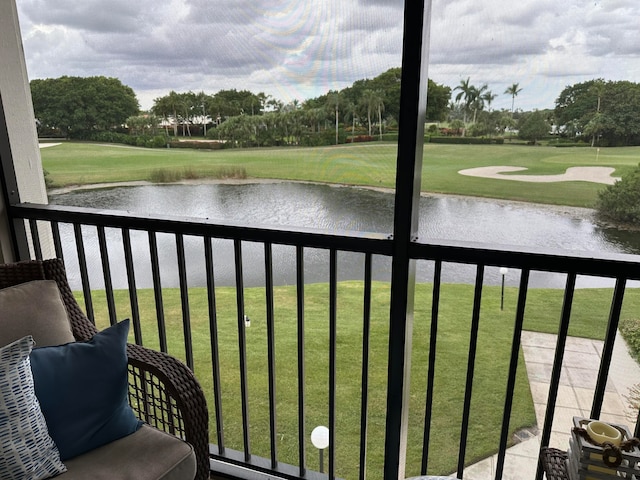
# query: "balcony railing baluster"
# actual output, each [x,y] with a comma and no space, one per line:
[271,352]
[301,364]
[366,334]
[433,336]
[35,238]
[557,363]
[607,351]
[213,332]
[333,325]
[106,273]
[242,350]
[184,300]
[473,341]
[131,283]
[55,231]
[513,368]
[157,290]
[82,264]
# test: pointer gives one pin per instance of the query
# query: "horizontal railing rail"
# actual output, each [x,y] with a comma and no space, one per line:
[367,364]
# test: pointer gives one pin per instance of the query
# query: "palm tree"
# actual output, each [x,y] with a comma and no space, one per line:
[372,101]
[334,100]
[513,90]
[488,98]
[351,113]
[466,92]
[477,96]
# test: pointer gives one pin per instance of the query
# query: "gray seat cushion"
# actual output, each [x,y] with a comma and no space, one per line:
[147,454]
[34,308]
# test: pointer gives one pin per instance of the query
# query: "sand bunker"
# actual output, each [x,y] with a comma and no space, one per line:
[45,145]
[573,174]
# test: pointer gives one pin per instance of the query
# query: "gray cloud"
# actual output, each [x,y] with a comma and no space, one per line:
[297,48]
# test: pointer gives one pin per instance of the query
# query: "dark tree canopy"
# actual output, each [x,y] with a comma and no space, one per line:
[604,112]
[533,127]
[73,105]
[438,97]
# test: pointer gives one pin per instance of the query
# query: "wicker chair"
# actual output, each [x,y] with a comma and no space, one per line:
[163,391]
[554,463]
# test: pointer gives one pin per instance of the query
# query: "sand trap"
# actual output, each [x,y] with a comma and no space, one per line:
[45,145]
[573,174]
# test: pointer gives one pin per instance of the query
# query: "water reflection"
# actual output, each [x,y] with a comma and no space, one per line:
[333,209]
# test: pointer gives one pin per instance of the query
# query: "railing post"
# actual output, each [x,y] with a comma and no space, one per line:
[408,182]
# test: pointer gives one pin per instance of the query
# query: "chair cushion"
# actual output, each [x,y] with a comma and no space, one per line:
[26,449]
[34,308]
[83,391]
[147,454]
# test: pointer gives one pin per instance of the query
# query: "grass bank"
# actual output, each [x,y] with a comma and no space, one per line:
[589,319]
[358,164]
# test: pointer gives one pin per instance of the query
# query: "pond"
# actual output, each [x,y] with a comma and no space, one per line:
[331,208]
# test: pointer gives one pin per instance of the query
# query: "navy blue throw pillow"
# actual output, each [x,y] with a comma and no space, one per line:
[82,389]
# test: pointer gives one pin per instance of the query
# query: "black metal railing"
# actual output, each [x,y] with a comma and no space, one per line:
[483,261]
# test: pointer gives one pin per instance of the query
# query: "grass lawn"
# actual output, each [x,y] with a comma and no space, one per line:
[370,164]
[496,330]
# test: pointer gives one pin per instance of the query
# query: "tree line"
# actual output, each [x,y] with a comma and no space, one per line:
[597,112]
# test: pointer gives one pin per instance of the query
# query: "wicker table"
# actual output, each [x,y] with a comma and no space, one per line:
[554,463]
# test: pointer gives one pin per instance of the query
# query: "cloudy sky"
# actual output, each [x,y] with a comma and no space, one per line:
[296,49]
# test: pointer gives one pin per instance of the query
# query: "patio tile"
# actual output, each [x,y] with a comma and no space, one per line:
[581,360]
[539,391]
[528,448]
[617,419]
[612,403]
[584,397]
[566,397]
[563,419]
[481,470]
[586,378]
[539,339]
[538,354]
[560,440]
[584,345]
[517,467]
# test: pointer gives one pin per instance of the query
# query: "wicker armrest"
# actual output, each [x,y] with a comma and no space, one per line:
[554,463]
[165,394]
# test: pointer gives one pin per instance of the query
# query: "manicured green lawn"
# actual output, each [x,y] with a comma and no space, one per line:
[495,335]
[371,164]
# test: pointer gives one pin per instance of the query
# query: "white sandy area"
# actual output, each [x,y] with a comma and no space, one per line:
[45,145]
[573,174]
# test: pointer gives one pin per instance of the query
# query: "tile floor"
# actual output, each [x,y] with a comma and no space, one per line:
[575,393]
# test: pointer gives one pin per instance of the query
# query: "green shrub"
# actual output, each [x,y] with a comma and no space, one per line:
[47,179]
[390,137]
[621,201]
[630,330]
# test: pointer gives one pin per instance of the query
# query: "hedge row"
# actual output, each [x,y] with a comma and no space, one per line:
[467,140]
[147,141]
[199,145]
